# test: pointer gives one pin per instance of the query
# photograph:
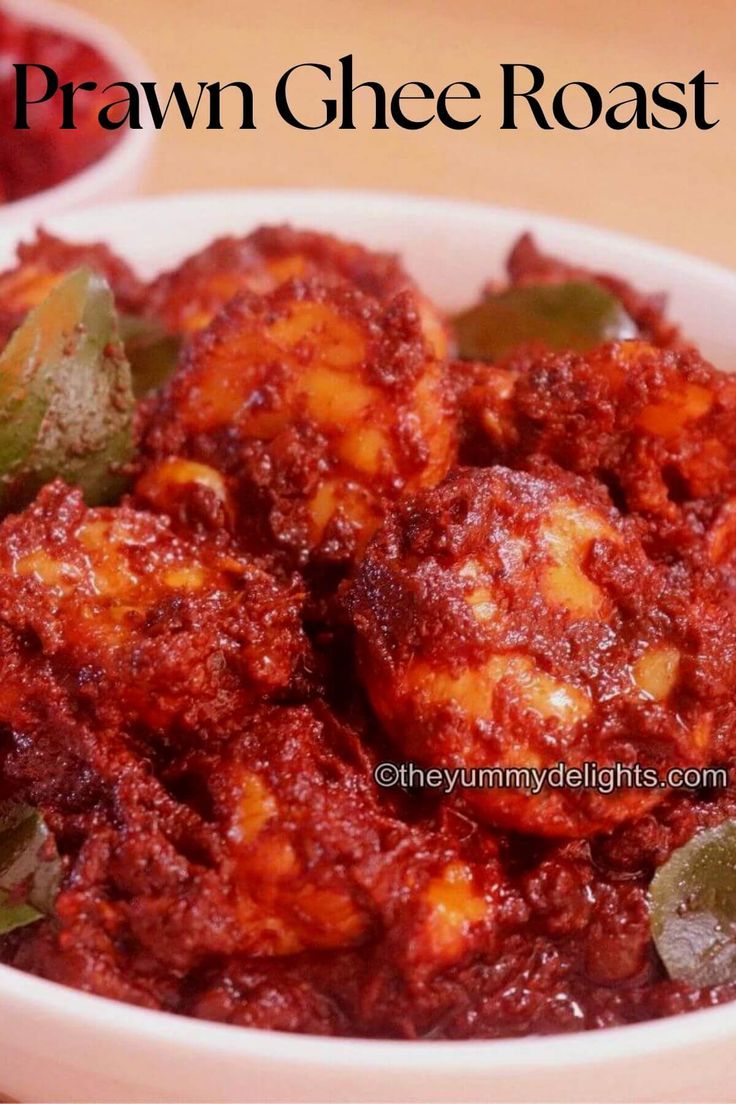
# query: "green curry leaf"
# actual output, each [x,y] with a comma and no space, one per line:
[693,903]
[574,315]
[30,870]
[151,350]
[66,401]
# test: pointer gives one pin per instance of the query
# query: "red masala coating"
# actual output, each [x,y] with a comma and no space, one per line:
[572,951]
[442,902]
[226,853]
[658,427]
[300,824]
[44,261]
[527,264]
[142,902]
[139,624]
[318,408]
[578,951]
[466,936]
[188,297]
[318,861]
[274,845]
[508,619]
[144,917]
[483,396]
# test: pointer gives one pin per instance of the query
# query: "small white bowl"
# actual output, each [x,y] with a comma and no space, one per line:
[58,1044]
[117,173]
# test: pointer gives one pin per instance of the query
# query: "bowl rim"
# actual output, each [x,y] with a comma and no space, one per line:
[130,149]
[355,200]
[95,1015]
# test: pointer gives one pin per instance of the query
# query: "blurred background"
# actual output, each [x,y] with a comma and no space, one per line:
[673,187]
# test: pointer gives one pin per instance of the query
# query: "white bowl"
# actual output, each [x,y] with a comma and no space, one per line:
[58,1044]
[118,172]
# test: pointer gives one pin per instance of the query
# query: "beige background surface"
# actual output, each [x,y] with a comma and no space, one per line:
[676,187]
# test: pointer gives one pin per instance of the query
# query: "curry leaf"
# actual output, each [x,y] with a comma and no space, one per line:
[693,902]
[30,870]
[151,350]
[573,315]
[66,401]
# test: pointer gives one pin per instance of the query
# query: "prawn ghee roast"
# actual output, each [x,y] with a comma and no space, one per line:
[272,520]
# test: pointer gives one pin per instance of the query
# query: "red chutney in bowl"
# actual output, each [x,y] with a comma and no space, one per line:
[45,155]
